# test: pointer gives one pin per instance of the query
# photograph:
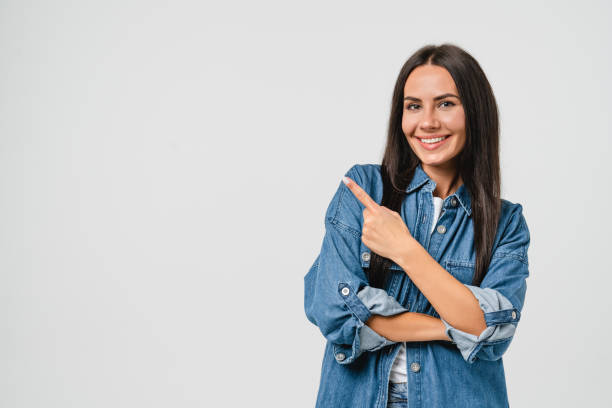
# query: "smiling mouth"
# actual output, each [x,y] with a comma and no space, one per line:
[431,139]
[431,143]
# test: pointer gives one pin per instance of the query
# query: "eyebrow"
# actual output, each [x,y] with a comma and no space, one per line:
[446,95]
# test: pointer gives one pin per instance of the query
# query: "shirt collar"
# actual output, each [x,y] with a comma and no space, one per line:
[420,178]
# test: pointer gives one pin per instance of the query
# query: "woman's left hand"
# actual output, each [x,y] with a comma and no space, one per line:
[384,230]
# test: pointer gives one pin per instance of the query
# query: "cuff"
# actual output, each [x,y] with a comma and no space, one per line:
[501,318]
[378,302]
[362,305]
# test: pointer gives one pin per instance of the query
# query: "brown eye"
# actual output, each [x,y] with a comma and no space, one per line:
[451,104]
[409,105]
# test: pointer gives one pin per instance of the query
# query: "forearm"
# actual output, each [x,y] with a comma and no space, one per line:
[408,326]
[453,301]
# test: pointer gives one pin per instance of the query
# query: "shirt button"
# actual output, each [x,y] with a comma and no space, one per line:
[415,367]
[345,291]
[441,229]
[365,256]
[454,202]
[340,356]
[513,314]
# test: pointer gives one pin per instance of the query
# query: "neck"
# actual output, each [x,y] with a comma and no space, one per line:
[447,179]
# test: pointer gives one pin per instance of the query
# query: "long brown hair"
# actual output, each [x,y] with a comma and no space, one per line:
[478,162]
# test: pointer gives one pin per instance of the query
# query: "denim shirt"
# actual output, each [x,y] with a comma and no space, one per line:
[464,372]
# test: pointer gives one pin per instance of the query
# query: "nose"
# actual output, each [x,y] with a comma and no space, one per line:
[429,119]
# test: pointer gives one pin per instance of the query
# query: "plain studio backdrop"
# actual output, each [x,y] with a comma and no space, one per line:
[165,168]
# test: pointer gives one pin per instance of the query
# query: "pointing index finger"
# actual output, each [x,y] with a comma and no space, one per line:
[360,193]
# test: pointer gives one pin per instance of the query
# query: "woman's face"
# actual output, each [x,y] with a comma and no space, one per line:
[432,109]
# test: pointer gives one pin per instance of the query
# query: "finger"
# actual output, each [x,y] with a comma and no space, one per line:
[360,194]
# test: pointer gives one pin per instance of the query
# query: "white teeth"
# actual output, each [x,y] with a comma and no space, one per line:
[437,139]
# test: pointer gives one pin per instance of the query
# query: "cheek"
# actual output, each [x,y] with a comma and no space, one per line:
[456,122]
[408,124]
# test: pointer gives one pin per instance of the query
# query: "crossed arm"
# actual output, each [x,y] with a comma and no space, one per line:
[408,326]
[449,297]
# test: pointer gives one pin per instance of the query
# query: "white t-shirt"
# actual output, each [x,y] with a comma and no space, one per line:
[398,369]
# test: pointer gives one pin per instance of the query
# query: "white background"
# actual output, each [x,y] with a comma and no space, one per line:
[165,168]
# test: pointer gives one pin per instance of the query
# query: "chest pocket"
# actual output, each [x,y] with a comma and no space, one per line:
[462,270]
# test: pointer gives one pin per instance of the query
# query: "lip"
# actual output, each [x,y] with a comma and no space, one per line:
[432,146]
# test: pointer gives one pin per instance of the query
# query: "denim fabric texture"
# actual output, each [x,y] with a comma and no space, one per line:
[398,395]
[465,372]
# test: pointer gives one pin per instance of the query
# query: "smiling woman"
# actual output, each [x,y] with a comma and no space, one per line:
[436,120]
[421,278]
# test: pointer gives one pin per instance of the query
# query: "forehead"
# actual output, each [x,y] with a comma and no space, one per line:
[429,81]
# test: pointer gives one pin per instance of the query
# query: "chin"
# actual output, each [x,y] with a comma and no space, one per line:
[436,161]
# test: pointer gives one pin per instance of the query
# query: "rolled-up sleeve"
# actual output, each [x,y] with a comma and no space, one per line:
[337,297]
[501,295]
[378,302]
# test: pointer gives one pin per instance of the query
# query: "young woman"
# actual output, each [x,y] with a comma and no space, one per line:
[420,281]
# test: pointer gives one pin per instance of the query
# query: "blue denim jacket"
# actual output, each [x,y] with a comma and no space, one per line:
[465,372]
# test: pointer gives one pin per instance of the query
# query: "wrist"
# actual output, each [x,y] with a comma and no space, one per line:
[442,331]
[407,253]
